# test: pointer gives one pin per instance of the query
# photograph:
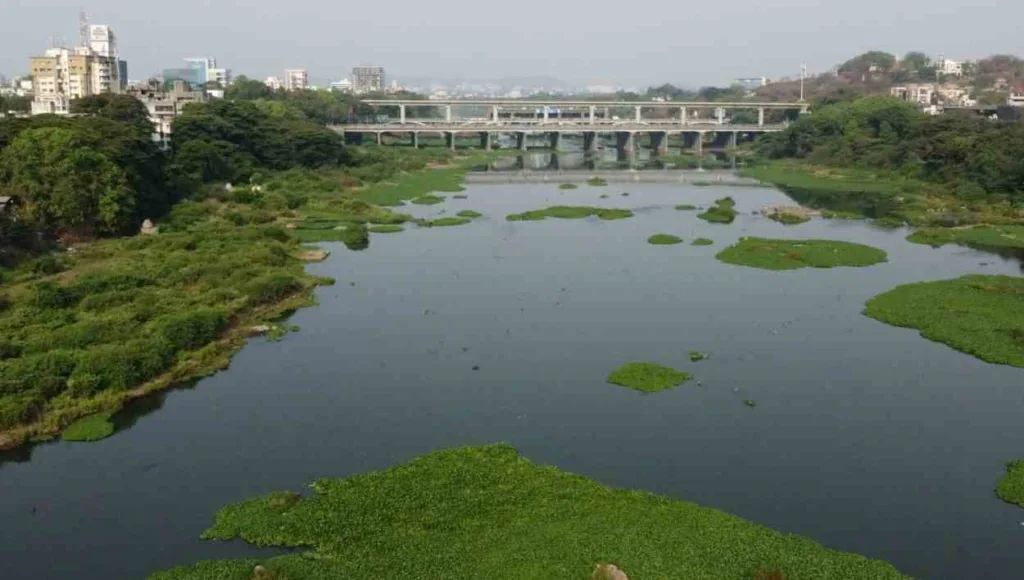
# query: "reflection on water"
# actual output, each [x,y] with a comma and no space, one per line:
[610,159]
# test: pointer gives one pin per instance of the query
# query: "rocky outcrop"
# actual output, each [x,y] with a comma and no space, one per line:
[608,572]
[148,229]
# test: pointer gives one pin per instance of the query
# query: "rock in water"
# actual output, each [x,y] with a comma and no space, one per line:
[608,572]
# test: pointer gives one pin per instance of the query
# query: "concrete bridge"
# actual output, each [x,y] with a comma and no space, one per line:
[555,118]
[694,135]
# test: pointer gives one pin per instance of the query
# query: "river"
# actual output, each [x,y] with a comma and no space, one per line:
[865,437]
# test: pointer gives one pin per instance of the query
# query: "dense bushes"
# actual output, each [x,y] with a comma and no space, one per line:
[974,158]
[191,330]
[271,288]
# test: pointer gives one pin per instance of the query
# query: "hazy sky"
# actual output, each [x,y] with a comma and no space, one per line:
[630,43]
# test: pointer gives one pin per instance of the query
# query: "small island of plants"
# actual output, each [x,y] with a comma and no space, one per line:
[647,377]
[1011,486]
[769,254]
[568,186]
[428,200]
[664,240]
[570,212]
[722,212]
[468,213]
[91,428]
[702,242]
[686,207]
[979,315]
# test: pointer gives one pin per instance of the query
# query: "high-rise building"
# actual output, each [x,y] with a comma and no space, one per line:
[295,79]
[62,74]
[368,79]
[273,83]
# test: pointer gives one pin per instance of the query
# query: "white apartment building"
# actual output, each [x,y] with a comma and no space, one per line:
[951,67]
[296,79]
[921,94]
[273,83]
[63,74]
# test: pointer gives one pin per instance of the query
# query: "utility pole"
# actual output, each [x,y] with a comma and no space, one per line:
[803,75]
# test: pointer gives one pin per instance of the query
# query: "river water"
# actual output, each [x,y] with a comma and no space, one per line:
[865,437]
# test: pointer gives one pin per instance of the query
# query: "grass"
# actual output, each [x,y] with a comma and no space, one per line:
[468,213]
[428,200]
[664,240]
[794,254]
[696,356]
[980,315]
[487,512]
[1011,486]
[568,186]
[444,222]
[91,428]
[686,207]
[597,181]
[702,242]
[984,237]
[570,212]
[722,212]
[647,377]
[386,229]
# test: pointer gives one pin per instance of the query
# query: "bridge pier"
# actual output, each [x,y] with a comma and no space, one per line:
[659,142]
[448,113]
[555,139]
[415,139]
[380,138]
[589,142]
[760,116]
[625,142]
[733,139]
[521,141]
[485,140]
[401,114]
[449,137]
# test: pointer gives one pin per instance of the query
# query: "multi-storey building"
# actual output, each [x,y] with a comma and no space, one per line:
[164,106]
[368,79]
[296,79]
[273,83]
[62,74]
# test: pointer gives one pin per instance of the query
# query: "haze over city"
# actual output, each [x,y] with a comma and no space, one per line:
[455,39]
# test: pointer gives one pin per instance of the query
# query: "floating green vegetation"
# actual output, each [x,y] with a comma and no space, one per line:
[570,212]
[91,428]
[722,212]
[277,332]
[686,207]
[696,356]
[468,213]
[460,196]
[386,229]
[568,186]
[487,512]
[794,254]
[604,196]
[749,403]
[597,181]
[625,194]
[664,240]
[647,377]
[788,218]
[444,222]
[888,222]
[981,237]
[428,200]
[1011,486]
[979,315]
[702,242]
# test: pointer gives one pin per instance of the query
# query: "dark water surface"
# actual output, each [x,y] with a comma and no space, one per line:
[865,437]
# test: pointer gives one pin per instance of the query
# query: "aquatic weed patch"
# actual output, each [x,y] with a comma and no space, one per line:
[91,428]
[428,200]
[487,512]
[702,242]
[1011,486]
[468,213]
[570,212]
[386,229]
[647,377]
[769,254]
[980,315]
[722,212]
[664,240]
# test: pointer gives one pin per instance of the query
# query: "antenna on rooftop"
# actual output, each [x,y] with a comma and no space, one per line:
[83,28]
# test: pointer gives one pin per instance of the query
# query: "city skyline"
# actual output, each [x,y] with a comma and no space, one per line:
[682,46]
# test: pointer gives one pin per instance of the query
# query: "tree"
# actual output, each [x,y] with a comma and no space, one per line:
[63,185]
[246,89]
[121,108]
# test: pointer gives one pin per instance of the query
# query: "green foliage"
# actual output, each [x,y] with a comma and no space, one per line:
[445,222]
[468,213]
[91,428]
[795,254]
[1011,486]
[702,242]
[721,212]
[788,219]
[647,377]
[386,229]
[982,237]
[597,181]
[356,236]
[696,356]
[215,569]
[978,315]
[570,212]
[486,512]
[686,207]
[192,330]
[568,186]
[664,240]
[271,288]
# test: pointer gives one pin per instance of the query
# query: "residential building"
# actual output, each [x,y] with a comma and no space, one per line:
[951,67]
[219,75]
[164,106]
[1016,98]
[295,79]
[344,85]
[62,74]
[368,79]
[273,83]
[751,83]
[199,71]
[922,94]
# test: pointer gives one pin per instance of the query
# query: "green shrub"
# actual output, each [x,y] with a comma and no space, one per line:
[271,288]
[47,265]
[17,410]
[192,330]
[664,240]
[91,428]
[125,365]
[50,295]
[45,373]
[356,237]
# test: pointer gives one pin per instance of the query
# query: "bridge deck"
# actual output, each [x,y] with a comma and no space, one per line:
[554,127]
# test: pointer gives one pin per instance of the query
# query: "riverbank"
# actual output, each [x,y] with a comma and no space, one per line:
[85,330]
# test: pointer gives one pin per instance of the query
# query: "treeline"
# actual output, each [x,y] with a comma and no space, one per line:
[974,158]
[101,174]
